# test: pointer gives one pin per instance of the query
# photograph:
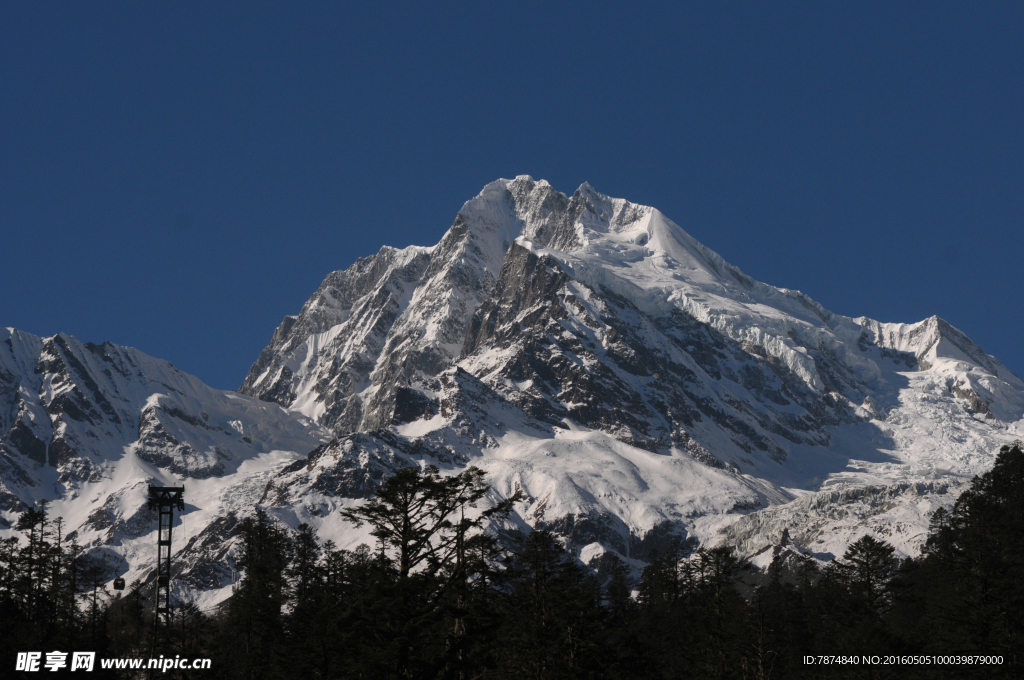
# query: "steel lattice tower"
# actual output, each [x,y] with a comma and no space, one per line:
[164,499]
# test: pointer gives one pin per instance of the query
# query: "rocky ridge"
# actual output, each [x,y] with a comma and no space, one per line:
[595,315]
[585,351]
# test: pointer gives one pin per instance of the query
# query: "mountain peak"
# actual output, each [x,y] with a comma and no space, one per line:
[582,349]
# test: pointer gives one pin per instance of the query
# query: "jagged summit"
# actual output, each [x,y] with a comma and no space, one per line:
[528,278]
[583,350]
[427,295]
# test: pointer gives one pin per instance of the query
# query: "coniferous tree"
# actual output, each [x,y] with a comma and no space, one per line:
[967,589]
[439,598]
[254,633]
[128,621]
[781,622]
[420,520]
[865,570]
[664,619]
[720,611]
[621,634]
[309,621]
[552,615]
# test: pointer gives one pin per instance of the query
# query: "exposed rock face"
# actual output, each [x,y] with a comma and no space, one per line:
[637,390]
[391,318]
[87,427]
[561,349]
[328,352]
[75,406]
[587,314]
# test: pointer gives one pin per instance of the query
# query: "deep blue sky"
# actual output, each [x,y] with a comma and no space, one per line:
[177,177]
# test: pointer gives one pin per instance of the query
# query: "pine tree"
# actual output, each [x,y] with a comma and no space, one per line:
[780,629]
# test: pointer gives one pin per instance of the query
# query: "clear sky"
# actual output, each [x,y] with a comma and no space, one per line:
[179,176]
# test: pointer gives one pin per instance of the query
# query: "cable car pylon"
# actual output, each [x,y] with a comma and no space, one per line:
[164,499]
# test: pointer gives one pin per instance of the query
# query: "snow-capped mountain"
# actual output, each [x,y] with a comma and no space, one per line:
[625,377]
[88,427]
[584,350]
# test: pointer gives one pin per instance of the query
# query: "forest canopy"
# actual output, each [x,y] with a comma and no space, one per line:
[438,596]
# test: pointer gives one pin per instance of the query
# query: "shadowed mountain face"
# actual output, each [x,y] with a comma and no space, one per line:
[583,350]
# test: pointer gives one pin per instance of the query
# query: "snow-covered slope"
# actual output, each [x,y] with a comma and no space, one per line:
[668,391]
[87,427]
[586,351]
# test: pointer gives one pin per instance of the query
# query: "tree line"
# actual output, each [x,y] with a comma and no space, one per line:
[436,597]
